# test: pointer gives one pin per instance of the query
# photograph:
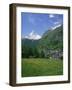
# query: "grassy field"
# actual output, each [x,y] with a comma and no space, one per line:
[41,67]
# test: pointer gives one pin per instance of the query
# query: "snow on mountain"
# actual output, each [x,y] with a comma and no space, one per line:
[33,36]
[53,28]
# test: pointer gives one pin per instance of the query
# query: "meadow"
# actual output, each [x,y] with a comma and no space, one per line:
[41,67]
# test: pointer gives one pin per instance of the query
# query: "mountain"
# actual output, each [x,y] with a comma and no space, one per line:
[59,25]
[52,39]
[49,45]
[29,42]
[33,36]
[29,48]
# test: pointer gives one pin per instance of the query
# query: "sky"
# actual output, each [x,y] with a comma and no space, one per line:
[39,22]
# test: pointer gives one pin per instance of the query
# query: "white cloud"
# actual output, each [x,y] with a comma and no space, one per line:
[51,16]
[33,36]
[56,23]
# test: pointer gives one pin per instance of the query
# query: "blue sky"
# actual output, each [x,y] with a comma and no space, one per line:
[39,23]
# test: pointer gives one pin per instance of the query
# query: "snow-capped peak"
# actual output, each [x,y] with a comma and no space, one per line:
[53,28]
[33,36]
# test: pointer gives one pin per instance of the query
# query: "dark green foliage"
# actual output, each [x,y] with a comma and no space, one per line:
[52,43]
[42,54]
[29,52]
[52,39]
[29,43]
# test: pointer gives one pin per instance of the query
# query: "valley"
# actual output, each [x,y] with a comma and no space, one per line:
[44,56]
[50,45]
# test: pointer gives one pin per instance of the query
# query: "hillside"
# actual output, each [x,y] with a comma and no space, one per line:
[52,39]
[29,42]
[50,45]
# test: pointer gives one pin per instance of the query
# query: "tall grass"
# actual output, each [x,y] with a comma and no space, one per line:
[41,67]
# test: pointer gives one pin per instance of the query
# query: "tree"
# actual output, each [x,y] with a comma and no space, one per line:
[42,54]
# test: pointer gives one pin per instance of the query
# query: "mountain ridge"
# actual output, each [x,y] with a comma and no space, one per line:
[51,43]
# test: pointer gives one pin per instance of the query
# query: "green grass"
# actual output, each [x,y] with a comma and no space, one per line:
[41,67]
